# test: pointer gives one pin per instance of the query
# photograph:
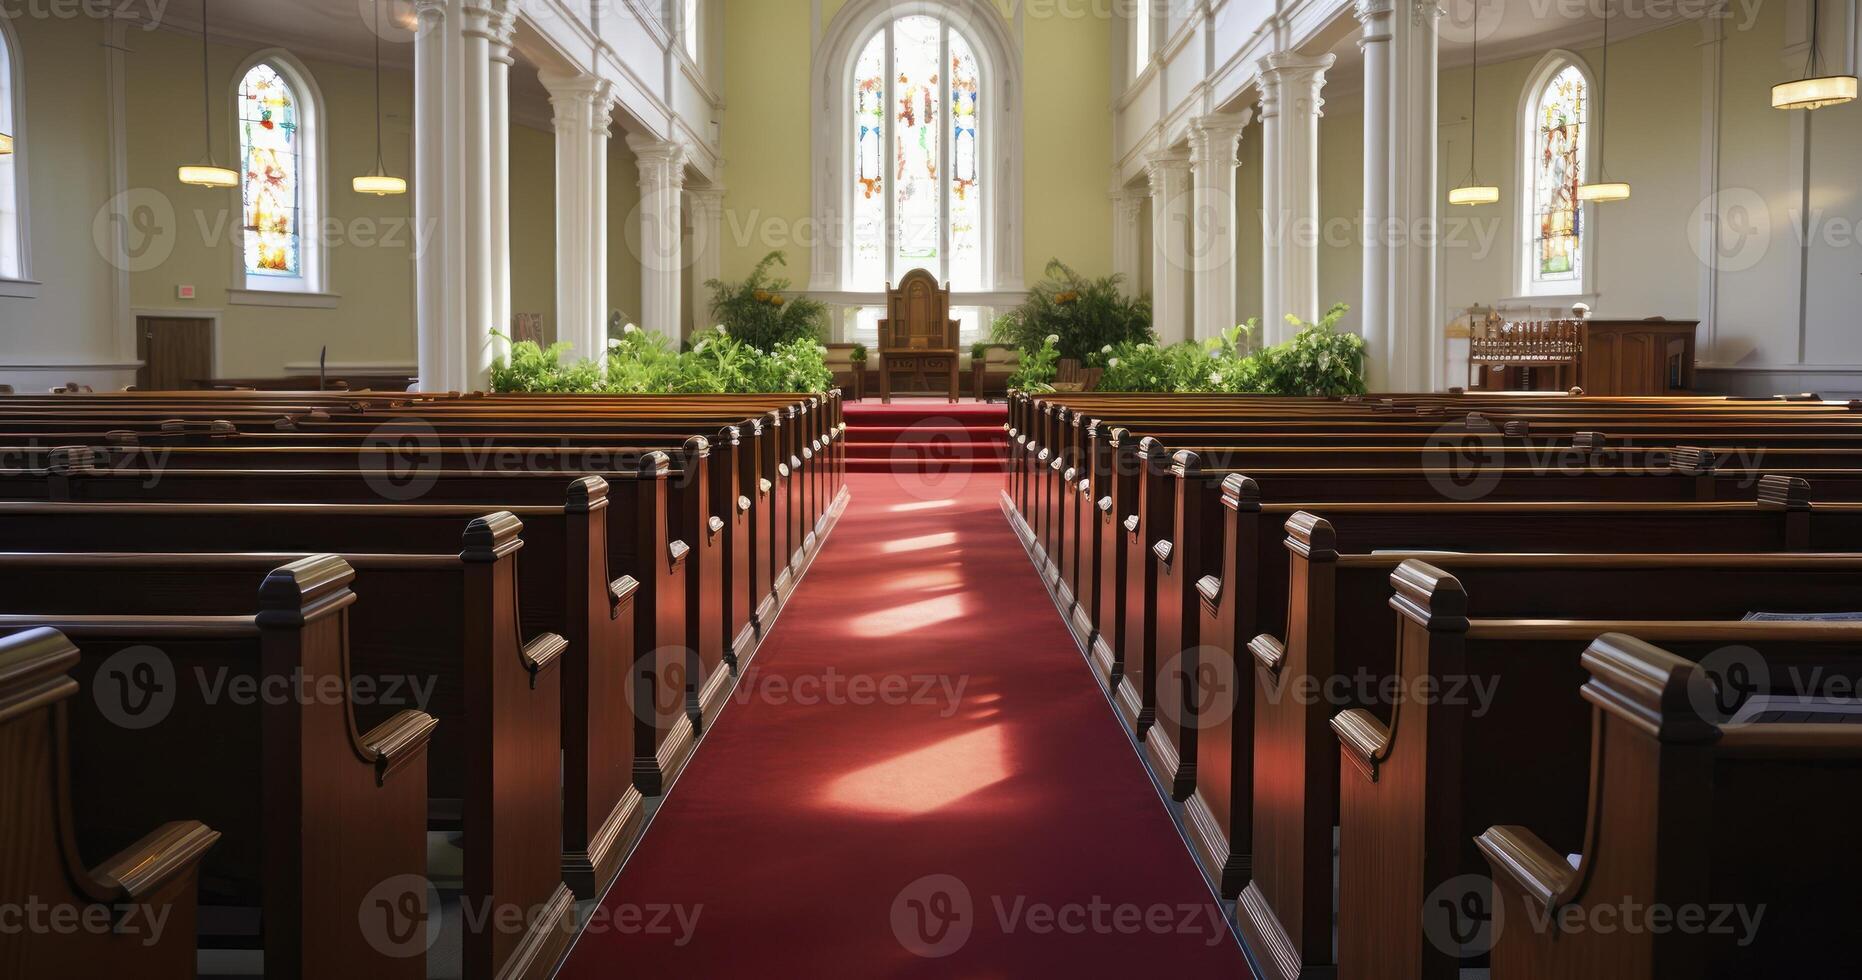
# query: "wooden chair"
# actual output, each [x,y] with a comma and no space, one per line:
[917,337]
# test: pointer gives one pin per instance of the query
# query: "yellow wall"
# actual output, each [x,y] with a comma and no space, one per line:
[67,150]
[1066,137]
[369,240]
[533,224]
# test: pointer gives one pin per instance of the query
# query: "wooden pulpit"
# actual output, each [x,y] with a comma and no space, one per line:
[917,338]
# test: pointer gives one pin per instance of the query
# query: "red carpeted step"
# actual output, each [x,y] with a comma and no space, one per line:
[926,437]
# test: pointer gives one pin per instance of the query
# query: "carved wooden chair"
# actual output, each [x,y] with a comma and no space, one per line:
[918,338]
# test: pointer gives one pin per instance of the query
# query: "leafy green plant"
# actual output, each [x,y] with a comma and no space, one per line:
[756,312]
[979,351]
[1035,374]
[1318,360]
[1086,314]
[859,354]
[641,362]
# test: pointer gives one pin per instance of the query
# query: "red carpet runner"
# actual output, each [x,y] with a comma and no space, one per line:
[916,778]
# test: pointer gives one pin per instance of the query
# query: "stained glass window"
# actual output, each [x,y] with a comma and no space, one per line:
[918,156]
[1558,169]
[12,248]
[966,217]
[870,161]
[270,147]
[917,102]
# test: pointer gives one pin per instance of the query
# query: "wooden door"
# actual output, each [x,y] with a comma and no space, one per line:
[176,352]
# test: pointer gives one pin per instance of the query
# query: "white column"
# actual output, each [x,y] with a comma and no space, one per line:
[1127,210]
[1213,142]
[662,178]
[454,276]
[581,122]
[1169,172]
[502,26]
[707,208]
[1273,212]
[1416,360]
[1294,81]
[1374,303]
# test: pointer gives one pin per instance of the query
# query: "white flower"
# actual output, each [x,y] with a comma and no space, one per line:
[1144,346]
[1112,363]
[723,331]
[1053,338]
[1215,379]
[614,342]
[629,328]
[1107,349]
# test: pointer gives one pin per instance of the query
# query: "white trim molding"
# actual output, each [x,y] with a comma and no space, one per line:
[283,299]
[313,155]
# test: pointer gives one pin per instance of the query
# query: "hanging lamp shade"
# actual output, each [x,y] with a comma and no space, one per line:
[208,172]
[377,181]
[6,144]
[1603,191]
[1472,194]
[380,185]
[1814,93]
[1814,90]
[1610,190]
[207,175]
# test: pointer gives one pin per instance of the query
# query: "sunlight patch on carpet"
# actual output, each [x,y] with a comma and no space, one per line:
[926,779]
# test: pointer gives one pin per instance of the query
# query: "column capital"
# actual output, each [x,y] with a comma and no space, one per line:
[1374,16]
[707,200]
[1128,205]
[1215,138]
[503,28]
[1292,81]
[1425,13]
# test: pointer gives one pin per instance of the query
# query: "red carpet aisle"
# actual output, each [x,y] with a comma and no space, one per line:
[917,778]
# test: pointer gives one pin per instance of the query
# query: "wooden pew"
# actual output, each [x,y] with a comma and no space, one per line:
[132,914]
[446,621]
[1339,638]
[564,588]
[315,814]
[1421,783]
[1739,838]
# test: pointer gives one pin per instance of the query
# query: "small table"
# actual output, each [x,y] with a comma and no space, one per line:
[920,366]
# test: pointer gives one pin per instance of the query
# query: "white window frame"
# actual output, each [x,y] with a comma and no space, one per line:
[17,282]
[691,15]
[311,287]
[1143,36]
[1548,68]
[999,130]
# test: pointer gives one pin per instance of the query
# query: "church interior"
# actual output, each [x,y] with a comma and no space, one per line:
[513,489]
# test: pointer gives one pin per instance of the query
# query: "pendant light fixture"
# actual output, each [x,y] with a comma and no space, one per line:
[377,181]
[1813,91]
[1472,191]
[207,173]
[6,144]
[1604,190]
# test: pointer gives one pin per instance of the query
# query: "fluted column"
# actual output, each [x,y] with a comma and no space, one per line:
[581,123]
[1415,360]
[707,209]
[662,179]
[501,29]
[1374,303]
[455,279]
[1213,142]
[1169,172]
[1127,210]
[1292,82]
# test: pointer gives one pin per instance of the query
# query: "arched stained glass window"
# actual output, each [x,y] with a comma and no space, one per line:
[917,195]
[1557,131]
[12,191]
[272,182]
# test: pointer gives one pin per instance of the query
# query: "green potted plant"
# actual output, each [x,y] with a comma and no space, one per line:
[757,312]
[858,356]
[1087,315]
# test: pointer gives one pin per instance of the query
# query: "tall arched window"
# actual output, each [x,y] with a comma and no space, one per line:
[12,176]
[1556,128]
[280,187]
[917,185]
